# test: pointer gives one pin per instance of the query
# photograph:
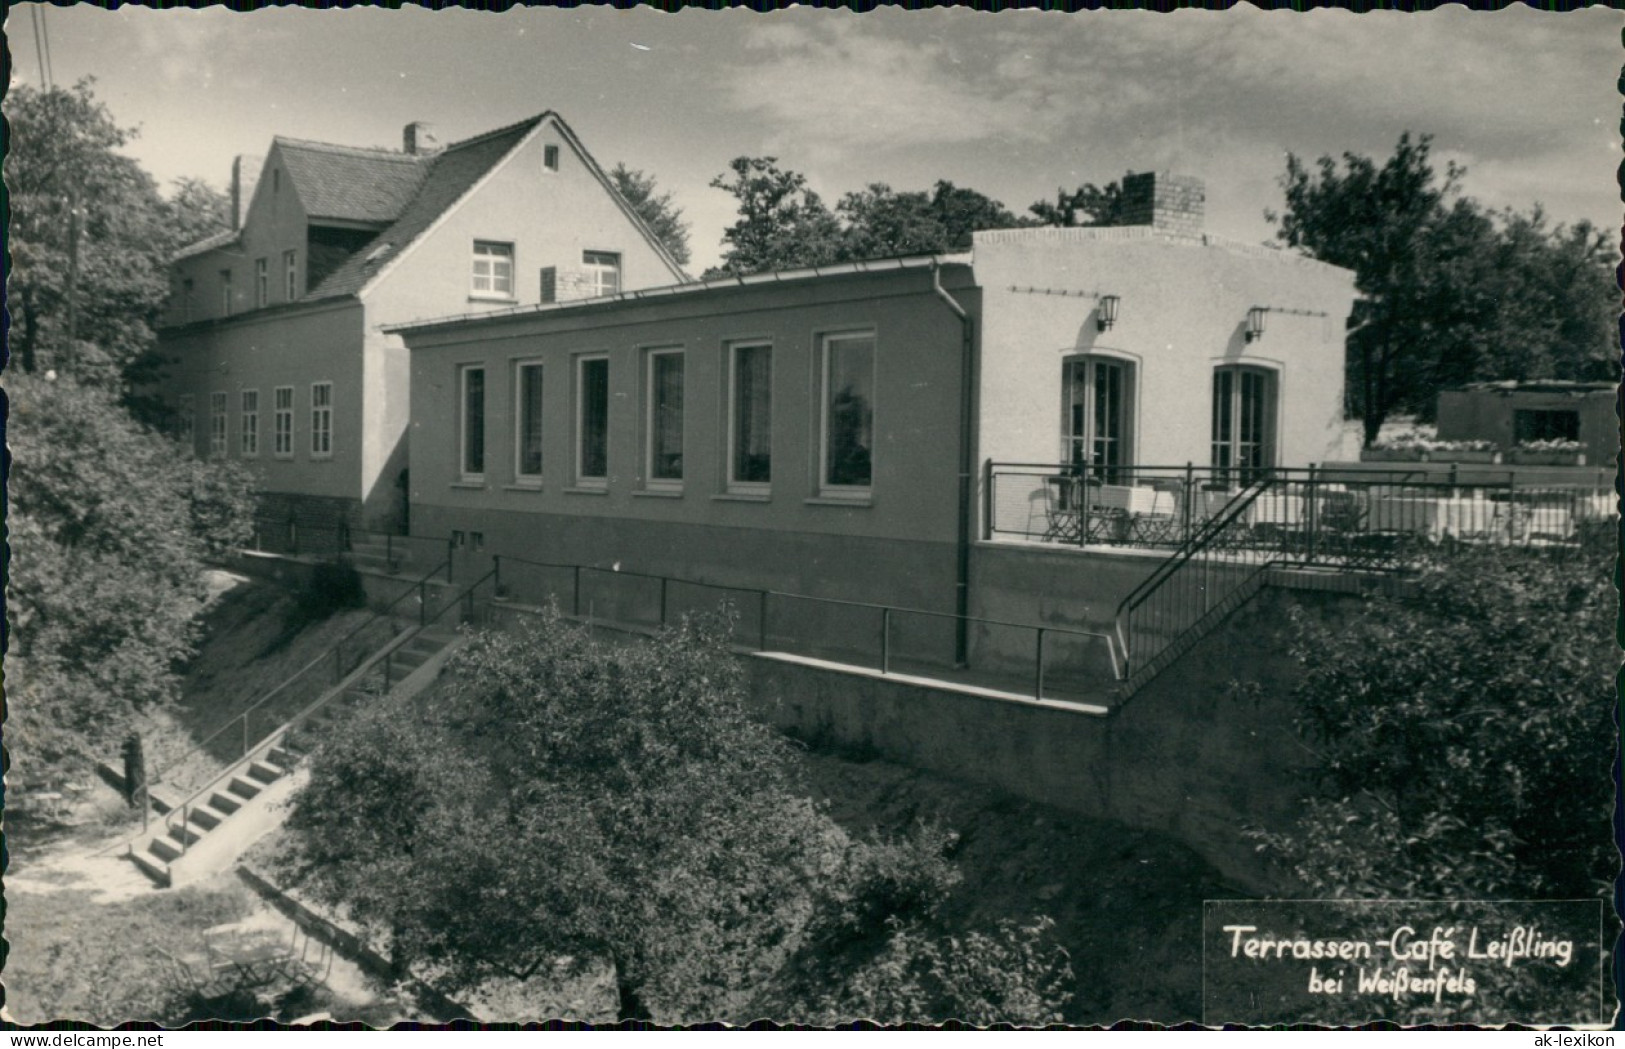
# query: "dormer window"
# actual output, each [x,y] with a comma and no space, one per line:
[493,270]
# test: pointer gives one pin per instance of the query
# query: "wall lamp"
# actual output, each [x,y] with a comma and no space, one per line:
[1108,312]
[1255,323]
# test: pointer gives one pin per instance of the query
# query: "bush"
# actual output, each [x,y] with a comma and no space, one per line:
[1465,734]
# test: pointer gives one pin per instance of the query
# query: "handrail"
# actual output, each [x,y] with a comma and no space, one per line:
[1198,543]
[339,689]
[271,739]
[1204,537]
[802,597]
[243,714]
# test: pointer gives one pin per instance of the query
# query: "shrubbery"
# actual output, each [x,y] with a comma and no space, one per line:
[1465,734]
[562,798]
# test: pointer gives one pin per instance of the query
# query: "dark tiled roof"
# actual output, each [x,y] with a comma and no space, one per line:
[209,243]
[448,176]
[354,185]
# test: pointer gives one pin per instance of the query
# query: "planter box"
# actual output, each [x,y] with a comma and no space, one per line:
[1393,455]
[1465,457]
[1528,458]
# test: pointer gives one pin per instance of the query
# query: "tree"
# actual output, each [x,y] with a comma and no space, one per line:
[782,223]
[1464,733]
[663,217]
[883,223]
[110,526]
[88,243]
[565,799]
[1449,292]
[1088,205]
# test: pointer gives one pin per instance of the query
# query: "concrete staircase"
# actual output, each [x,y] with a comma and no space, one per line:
[207,832]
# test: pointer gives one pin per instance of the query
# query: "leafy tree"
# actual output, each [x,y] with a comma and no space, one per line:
[782,224]
[664,217]
[1450,293]
[1088,205]
[110,525]
[566,799]
[1464,734]
[883,223]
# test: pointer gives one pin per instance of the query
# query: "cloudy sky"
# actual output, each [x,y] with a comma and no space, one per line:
[1014,105]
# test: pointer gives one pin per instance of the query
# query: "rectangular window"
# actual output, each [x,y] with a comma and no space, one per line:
[592,419]
[187,305]
[290,275]
[603,272]
[217,424]
[282,422]
[262,283]
[550,157]
[849,414]
[225,293]
[186,421]
[1099,406]
[1542,424]
[321,420]
[249,424]
[1243,423]
[528,413]
[550,284]
[493,269]
[471,439]
[750,415]
[664,417]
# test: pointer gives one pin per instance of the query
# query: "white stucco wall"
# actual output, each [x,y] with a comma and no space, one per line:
[1183,309]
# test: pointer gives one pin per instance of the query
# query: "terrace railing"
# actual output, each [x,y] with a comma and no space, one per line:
[1348,516]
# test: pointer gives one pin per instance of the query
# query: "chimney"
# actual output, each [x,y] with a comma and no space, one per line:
[1165,201]
[419,139]
[245,174]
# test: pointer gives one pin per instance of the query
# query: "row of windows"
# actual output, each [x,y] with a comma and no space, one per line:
[248,422]
[493,274]
[1100,400]
[846,428]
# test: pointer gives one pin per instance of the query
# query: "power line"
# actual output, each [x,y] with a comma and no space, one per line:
[45,35]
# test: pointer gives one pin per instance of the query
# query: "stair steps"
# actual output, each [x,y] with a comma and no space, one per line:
[249,795]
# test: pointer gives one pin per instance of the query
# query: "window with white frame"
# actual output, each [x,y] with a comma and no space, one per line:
[225,293]
[849,410]
[282,422]
[248,420]
[290,275]
[321,420]
[186,421]
[603,269]
[217,424]
[262,283]
[750,416]
[592,420]
[471,422]
[1099,416]
[528,418]
[493,269]
[663,418]
[1243,422]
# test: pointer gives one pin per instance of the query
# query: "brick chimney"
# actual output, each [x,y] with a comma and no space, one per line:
[1164,201]
[245,175]
[419,139]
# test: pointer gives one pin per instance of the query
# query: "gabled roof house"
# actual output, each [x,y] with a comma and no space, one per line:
[274,329]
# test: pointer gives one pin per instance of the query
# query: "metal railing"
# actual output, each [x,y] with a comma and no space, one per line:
[314,678]
[1057,662]
[1351,515]
[464,600]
